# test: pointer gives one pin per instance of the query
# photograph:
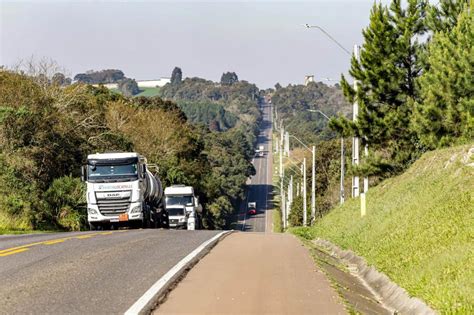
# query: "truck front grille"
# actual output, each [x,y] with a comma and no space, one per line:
[113,207]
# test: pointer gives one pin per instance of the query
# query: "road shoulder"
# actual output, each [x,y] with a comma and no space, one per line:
[255,273]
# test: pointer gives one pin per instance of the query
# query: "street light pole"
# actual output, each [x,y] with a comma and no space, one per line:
[313,177]
[305,219]
[355,140]
[341,193]
[342,172]
[313,187]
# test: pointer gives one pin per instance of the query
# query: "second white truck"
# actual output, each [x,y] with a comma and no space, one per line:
[183,207]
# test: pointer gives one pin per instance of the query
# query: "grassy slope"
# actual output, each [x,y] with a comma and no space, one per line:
[419,229]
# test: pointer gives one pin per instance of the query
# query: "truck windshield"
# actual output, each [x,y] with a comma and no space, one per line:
[103,172]
[178,200]
[175,211]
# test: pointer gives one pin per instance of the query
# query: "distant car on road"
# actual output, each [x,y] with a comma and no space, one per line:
[252,208]
[252,212]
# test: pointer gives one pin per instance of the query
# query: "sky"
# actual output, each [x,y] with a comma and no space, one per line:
[264,41]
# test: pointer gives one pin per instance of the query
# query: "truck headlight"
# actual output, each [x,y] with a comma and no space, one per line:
[91,211]
[137,209]
[181,219]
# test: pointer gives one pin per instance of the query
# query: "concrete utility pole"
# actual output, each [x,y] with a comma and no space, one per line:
[342,171]
[305,219]
[287,144]
[281,161]
[282,132]
[313,187]
[313,177]
[341,194]
[355,140]
[283,207]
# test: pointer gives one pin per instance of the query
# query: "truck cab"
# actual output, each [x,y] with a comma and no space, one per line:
[121,191]
[183,207]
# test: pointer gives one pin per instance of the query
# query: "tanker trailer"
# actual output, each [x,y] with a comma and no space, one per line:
[121,191]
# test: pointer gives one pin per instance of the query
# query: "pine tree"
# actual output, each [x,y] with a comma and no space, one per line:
[445,114]
[444,16]
[386,75]
[176,76]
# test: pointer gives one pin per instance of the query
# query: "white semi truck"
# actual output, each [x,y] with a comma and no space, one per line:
[121,191]
[183,207]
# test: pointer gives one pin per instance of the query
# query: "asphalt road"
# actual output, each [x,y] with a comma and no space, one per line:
[87,272]
[259,187]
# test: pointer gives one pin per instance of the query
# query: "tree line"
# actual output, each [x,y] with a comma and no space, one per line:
[414,95]
[47,131]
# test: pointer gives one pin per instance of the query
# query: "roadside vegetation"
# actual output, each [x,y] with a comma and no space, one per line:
[47,128]
[416,113]
[418,229]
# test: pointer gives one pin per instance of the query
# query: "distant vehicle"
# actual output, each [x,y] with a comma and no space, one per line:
[261,153]
[183,207]
[252,212]
[252,208]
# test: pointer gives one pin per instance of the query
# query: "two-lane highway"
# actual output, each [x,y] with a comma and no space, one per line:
[259,187]
[87,272]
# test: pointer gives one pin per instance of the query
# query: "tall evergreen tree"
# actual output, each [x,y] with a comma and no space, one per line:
[176,76]
[444,15]
[229,78]
[445,113]
[386,74]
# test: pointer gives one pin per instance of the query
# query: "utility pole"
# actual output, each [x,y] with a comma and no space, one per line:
[287,143]
[282,131]
[342,171]
[355,140]
[283,206]
[313,187]
[281,161]
[366,154]
[305,219]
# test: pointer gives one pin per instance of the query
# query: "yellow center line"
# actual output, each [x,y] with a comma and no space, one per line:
[22,248]
[106,233]
[13,252]
[19,247]
[54,241]
[85,236]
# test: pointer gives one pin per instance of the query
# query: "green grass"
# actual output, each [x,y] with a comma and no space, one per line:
[149,92]
[419,230]
[144,91]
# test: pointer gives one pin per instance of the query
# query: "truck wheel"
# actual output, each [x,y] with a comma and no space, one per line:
[93,227]
[164,221]
[154,222]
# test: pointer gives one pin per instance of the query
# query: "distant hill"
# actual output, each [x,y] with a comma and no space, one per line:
[293,103]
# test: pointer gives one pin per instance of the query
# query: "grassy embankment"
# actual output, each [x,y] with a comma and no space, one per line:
[419,229]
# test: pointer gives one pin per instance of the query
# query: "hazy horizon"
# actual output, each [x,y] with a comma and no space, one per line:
[264,42]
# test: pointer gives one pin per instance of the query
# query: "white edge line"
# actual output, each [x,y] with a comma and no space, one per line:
[150,294]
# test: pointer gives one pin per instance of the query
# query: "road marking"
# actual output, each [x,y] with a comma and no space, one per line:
[22,248]
[19,247]
[145,300]
[54,241]
[13,252]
